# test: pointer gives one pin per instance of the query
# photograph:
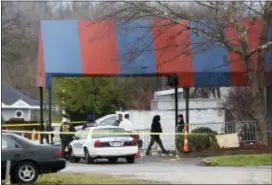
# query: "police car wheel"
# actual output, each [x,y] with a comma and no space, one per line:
[130,159]
[71,157]
[87,156]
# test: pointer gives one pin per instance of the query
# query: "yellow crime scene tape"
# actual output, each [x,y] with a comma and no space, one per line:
[99,133]
[34,124]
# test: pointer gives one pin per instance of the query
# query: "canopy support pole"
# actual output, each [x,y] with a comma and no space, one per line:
[176,102]
[187,96]
[41,112]
[50,106]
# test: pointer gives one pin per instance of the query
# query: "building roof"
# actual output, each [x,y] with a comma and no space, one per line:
[10,96]
[167,92]
[108,48]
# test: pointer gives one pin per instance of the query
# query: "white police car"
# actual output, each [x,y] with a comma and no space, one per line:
[98,142]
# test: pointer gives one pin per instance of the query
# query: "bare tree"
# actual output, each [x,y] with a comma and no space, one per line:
[13,25]
[240,105]
[222,16]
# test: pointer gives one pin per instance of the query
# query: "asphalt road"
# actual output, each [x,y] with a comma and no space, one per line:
[184,171]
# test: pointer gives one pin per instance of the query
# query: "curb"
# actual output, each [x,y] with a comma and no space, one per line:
[205,162]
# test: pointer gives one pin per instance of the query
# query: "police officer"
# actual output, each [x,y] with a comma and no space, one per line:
[66,138]
[90,122]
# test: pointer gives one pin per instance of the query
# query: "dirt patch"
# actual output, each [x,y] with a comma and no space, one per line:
[246,149]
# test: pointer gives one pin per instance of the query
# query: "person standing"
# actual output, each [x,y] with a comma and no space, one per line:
[118,121]
[156,128]
[181,124]
[66,138]
[126,124]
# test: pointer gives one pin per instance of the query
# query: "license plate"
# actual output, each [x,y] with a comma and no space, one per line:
[116,144]
[66,149]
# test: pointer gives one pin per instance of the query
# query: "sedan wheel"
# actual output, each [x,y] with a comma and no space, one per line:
[25,172]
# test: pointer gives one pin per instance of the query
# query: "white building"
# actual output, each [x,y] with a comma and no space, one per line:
[16,105]
[202,111]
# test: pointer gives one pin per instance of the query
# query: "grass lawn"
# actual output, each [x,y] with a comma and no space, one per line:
[79,178]
[242,160]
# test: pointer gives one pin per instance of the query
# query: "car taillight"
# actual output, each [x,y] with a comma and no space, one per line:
[57,153]
[98,143]
[134,142]
[135,136]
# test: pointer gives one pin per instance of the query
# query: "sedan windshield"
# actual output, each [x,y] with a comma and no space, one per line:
[109,132]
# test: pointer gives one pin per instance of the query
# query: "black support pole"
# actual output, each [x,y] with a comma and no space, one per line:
[187,96]
[50,106]
[176,102]
[41,113]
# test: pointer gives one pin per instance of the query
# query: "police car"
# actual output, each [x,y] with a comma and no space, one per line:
[98,142]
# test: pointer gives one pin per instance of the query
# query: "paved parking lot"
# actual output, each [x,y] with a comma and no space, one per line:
[184,171]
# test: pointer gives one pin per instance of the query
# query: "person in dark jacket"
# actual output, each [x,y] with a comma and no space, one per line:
[156,128]
[90,122]
[181,123]
[48,128]
[66,138]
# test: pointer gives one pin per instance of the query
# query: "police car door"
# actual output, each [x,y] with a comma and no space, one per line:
[76,145]
[79,145]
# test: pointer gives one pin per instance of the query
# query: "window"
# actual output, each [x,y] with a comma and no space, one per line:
[19,114]
[108,121]
[105,132]
[8,143]
[82,134]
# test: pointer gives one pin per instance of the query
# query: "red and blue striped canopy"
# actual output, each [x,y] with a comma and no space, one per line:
[142,47]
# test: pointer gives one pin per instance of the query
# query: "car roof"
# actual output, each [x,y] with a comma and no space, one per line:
[106,127]
[100,127]
[105,117]
[8,134]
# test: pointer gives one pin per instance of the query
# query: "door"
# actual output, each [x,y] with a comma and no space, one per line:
[11,150]
[81,142]
[78,144]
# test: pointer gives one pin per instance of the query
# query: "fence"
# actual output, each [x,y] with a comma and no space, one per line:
[246,130]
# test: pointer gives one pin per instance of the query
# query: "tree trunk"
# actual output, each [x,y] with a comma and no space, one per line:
[258,87]
[262,127]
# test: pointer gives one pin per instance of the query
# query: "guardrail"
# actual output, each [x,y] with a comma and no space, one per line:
[7,175]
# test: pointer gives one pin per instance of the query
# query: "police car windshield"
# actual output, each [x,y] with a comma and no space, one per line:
[106,132]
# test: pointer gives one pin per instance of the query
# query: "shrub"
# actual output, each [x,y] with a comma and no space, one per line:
[204,130]
[201,138]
